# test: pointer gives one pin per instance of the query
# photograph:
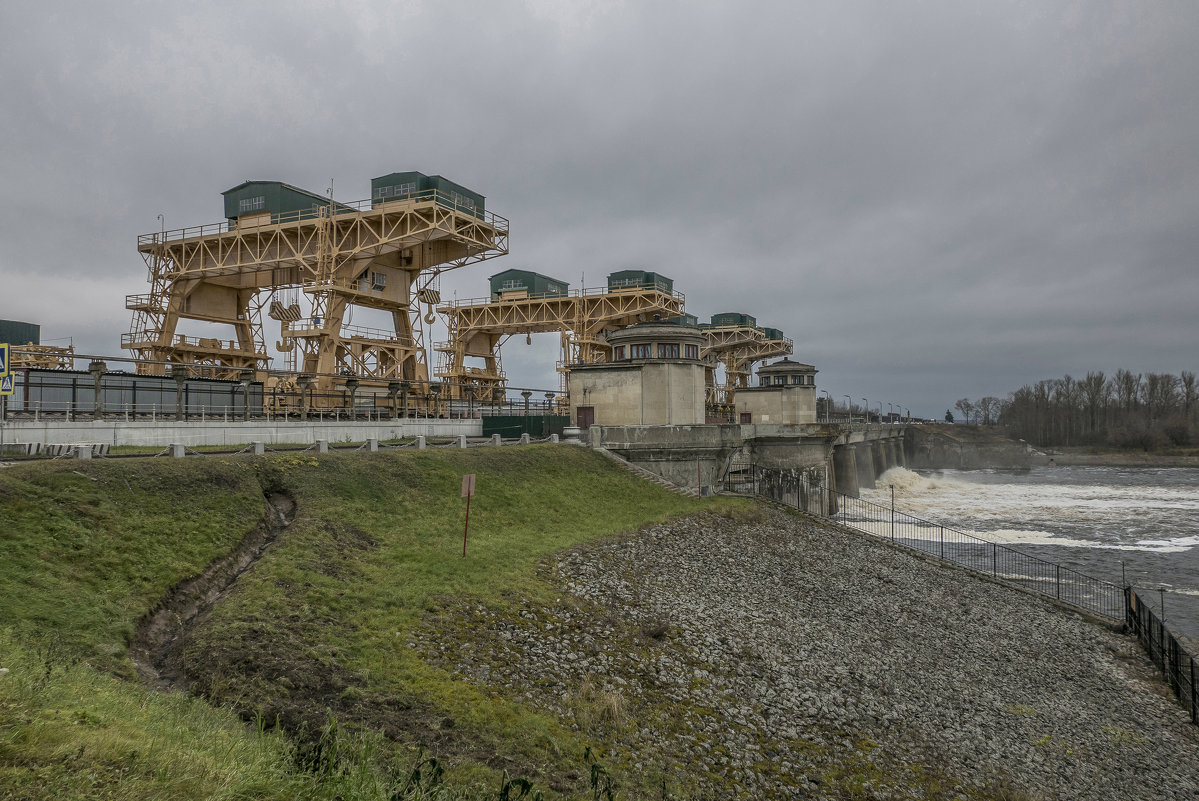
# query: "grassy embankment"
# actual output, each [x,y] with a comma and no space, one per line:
[316,632]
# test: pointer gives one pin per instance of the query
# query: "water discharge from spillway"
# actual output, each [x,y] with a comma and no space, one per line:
[1139,524]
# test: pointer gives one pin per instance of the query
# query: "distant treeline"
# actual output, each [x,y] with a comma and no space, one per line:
[1128,410]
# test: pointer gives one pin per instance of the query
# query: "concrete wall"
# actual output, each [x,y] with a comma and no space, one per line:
[680,454]
[119,432]
[788,405]
[642,393]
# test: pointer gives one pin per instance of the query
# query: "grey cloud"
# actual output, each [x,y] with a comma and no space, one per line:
[933,199]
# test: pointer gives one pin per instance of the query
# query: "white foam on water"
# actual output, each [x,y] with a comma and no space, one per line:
[994,506]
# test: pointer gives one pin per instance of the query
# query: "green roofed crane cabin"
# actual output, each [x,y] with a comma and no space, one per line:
[734,319]
[418,186]
[639,279]
[526,284]
[18,333]
[282,201]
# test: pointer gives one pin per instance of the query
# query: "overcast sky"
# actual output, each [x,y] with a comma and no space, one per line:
[933,199]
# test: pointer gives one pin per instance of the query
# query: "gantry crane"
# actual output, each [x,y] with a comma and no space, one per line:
[385,253]
[737,344]
[477,328]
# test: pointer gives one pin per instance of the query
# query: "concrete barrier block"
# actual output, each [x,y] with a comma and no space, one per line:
[259,448]
[322,446]
[83,451]
[461,440]
[524,439]
[496,440]
[420,442]
[178,451]
[553,437]
[372,444]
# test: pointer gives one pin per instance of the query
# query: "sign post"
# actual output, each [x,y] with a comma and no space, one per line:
[6,385]
[468,489]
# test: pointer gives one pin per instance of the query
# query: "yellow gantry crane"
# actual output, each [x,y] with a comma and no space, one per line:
[385,253]
[736,342]
[524,302]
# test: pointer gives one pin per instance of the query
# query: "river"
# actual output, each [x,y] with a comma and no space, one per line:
[1140,524]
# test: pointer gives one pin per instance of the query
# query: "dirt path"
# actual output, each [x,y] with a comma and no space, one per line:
[158,642]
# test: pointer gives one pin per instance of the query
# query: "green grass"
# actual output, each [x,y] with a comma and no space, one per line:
[321,623]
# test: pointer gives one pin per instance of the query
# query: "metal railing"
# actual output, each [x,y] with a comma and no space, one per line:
[587,292]
[442,199]
[1176,664]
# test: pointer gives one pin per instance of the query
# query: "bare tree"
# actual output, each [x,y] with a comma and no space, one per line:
[1187,381]
[988,409]
[966,408]
[1096,393]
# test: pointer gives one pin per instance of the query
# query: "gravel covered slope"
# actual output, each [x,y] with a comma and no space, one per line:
[781,658]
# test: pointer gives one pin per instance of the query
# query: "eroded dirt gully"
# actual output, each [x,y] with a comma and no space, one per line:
[157,649]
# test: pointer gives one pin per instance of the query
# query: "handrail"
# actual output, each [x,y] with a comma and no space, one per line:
[571,293]
[432,196]
[151,336]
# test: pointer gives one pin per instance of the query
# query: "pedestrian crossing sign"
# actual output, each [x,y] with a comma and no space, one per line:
[4,358]
[6,384]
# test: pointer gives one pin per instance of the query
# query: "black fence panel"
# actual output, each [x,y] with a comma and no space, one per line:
[1176,663]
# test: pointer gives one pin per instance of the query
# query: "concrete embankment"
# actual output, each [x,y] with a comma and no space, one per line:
[775,658]
[937,447]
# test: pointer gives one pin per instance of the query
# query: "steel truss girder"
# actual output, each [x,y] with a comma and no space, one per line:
[737,348]
[317,254]
[477,329]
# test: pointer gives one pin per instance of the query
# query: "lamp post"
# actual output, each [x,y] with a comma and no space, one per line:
[97,368]
[245,377]
[848,410]
[434,392]
[890,413]
[867,418]
[179,373]
[303,382]
[352,389]
[393,389]
[828,402]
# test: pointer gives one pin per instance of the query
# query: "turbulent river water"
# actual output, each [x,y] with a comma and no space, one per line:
[1114,523]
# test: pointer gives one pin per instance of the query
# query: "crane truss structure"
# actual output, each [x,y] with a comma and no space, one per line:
[379,255]
[45,357]
[737,348]
[477,329]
